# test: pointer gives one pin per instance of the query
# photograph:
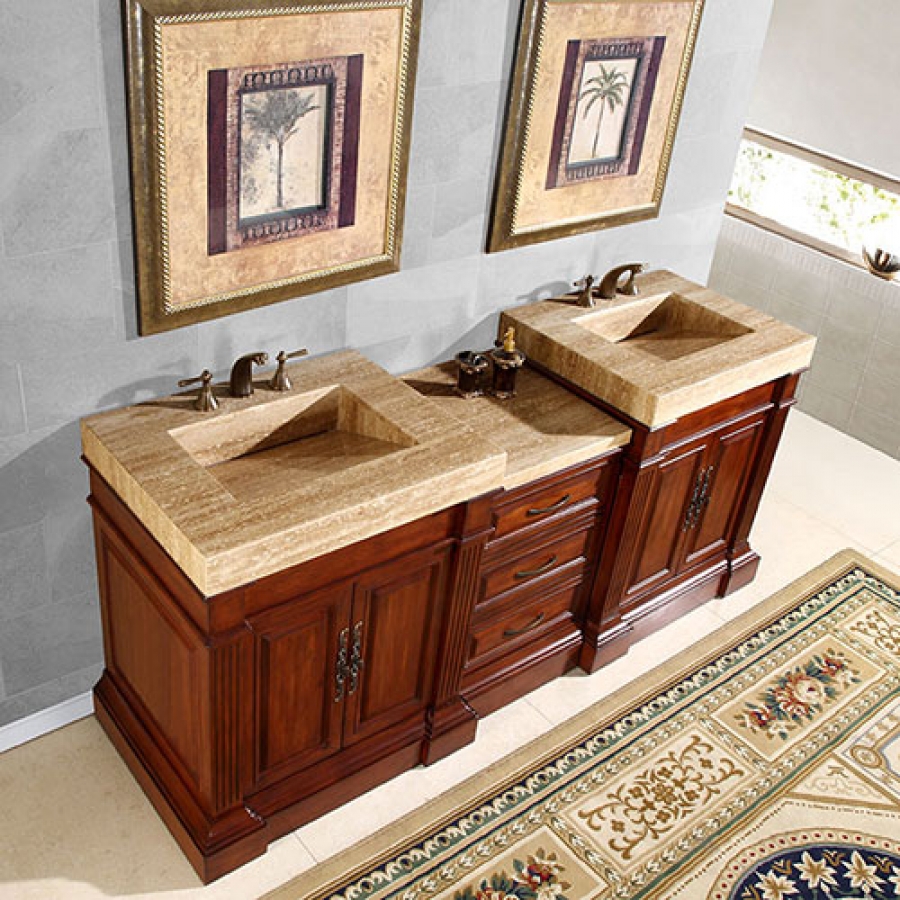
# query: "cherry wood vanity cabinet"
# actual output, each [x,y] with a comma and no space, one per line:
[686,500]
[245,714]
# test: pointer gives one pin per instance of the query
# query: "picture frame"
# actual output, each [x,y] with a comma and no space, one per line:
[595,99]
[269,144]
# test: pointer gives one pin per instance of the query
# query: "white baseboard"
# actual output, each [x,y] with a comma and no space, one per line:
[45,721]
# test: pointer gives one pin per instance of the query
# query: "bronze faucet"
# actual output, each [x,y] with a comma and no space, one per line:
[609,284]
[242,373]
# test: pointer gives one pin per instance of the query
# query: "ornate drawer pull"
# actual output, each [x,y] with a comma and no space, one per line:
[340,670]
[542,511]
[356,660]
[530,573]
[515,632]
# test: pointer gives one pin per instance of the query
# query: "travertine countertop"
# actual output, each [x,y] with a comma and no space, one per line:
[543,429]
[656,381]
[275,479]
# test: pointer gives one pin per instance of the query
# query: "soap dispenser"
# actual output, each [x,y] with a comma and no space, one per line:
[507,362]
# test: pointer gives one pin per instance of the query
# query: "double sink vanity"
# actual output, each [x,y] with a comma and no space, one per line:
[305,593]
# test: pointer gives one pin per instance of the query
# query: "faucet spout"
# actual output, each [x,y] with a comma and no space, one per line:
[241,382]
[609,284]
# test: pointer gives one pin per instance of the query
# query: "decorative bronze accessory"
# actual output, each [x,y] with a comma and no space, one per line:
[280,380]
[206,400]
[340,666]
[470,376]
[610,286]
[546,567]
[882,264]
[241,381]
[594,103]
[699,498]
[507,362]
[553,507]
[357,662]
[262,176]
[515,632]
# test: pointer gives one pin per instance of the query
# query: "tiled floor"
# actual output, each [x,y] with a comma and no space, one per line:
[75,824]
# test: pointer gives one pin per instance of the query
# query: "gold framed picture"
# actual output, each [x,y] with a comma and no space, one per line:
[269,148]
[594,105]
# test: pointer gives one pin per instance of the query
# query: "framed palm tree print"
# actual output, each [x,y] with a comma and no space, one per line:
[269,148]
[594,106]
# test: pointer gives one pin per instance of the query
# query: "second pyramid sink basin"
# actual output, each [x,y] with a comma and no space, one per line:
[669,327]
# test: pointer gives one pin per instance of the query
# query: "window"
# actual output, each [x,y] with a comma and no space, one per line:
[821,201]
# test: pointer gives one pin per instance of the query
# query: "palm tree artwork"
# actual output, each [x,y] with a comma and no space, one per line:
[276,117]
[608,89]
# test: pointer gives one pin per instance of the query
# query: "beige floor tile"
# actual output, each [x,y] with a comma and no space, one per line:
[839,480]
[75,825]
[565,697]
[498,736]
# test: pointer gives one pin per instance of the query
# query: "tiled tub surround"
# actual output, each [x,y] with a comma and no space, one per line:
[67,308]
[854,381]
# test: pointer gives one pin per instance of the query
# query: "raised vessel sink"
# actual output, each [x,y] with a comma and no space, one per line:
[667,327]
[674,349]
[275,479]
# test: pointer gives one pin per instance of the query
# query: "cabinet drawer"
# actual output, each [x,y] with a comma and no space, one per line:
[545,499]
[534,564]
[523,620]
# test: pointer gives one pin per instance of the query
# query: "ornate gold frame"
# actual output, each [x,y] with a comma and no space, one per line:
[528,90]
[148,92]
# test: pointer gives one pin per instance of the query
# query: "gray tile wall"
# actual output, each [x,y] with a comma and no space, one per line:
[854,381]
[68,341]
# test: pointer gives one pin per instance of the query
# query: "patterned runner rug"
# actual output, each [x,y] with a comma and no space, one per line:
[762,764]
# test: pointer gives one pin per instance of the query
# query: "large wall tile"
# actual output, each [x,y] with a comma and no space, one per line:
[62,195]
[23,571]
[26,703]
[12,414]
[56,87]
[50,642]
[460,218]
[54,301]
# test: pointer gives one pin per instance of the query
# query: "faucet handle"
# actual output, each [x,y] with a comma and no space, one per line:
[206,400]
[280,380]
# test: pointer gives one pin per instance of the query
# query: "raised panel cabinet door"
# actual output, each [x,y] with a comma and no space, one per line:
[397,613]
[723,480]
[300,647]
[658,547]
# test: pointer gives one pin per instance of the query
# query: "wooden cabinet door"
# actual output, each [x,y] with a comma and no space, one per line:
[658,549]
[397,612]
[724,477]
[298,697]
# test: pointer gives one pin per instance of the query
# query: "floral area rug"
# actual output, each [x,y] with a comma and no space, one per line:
[763,764]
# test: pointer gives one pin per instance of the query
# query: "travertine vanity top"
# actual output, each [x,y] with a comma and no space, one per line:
[657,365]
[275,479]
[543,429]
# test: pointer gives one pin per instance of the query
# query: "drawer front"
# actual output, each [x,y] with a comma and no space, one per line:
[535,564]
[546,499]
[524,619]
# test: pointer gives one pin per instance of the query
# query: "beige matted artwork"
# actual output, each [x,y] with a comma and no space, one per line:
[594,105]
[269,148]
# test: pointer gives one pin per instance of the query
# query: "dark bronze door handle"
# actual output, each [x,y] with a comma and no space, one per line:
[515,632]
[542,511]
[530,573]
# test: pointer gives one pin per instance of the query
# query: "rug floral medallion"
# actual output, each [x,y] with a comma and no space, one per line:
[770,771]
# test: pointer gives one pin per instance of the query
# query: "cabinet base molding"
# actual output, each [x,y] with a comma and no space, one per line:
[213,847]
[741,571]
[451,727]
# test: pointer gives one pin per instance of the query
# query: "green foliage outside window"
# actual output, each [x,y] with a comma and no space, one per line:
[835,208]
